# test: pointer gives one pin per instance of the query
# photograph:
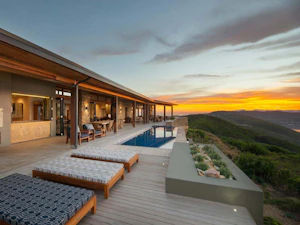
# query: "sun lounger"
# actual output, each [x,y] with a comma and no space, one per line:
[27,200]
[125,157]
[80,172]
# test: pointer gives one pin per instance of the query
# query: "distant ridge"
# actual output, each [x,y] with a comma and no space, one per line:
[264,124]
[247,129]
[289,118]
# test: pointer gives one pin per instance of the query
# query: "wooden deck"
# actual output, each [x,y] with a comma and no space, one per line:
[141,199]
[138,199]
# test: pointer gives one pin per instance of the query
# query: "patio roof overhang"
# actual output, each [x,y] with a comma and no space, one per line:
[25,58]
[158,102]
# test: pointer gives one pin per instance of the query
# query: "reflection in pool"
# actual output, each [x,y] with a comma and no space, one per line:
[154,137]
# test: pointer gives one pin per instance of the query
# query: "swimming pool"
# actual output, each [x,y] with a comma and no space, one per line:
[154,137]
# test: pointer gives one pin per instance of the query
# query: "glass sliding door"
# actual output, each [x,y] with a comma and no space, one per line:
[60,116]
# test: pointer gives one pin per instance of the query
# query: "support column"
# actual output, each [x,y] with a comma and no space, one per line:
[172,111]
[164,113]
[117,115]
[144,113]
[147,113]
[74,117]
[154,114]
[149,107]
[133,113]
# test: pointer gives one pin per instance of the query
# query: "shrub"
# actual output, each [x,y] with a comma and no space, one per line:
[225,172]
[194,147]
[202,166]
[234,142]
[214,155]
[259,168]
[193,152]
[289,204]
[199,158]
[207,148]
[273,148]
[219,163]
[290,215]
[294,184]
[196,134]
[271,221]
[256,149]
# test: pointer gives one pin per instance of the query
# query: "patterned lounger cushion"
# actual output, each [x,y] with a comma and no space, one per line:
[90,170]
[26,200]
[112,155]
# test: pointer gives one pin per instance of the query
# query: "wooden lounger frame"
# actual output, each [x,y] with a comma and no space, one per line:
[80,182]
[90,205]
[127,165]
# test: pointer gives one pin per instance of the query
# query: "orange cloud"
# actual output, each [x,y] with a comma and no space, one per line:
[281,99]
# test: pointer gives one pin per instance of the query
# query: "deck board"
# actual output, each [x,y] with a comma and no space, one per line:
[141,199]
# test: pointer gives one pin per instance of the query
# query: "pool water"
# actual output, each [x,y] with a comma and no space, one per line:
[154,137]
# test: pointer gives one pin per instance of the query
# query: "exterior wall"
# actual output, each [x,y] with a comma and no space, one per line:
[128,105]
[26,85]
[5,104]
[83,113]
[182,179]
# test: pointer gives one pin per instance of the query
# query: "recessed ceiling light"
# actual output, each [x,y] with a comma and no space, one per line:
[234,210]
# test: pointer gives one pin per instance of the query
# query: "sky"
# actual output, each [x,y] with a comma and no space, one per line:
[203,55]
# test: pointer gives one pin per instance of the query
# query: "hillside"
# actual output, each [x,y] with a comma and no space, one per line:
[287,119]
[226,129]
[260,126]
[272,163]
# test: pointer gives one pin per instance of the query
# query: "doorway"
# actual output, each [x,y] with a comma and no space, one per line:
[59,116]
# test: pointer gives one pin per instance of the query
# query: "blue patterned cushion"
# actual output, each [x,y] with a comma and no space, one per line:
[104,154]
[88,126]
[30,201]
[84,135]
[90,170]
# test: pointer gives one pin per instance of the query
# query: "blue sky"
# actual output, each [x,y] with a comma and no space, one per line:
[172,50]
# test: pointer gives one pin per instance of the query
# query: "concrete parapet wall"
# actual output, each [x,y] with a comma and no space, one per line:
[182,179]
[178,122]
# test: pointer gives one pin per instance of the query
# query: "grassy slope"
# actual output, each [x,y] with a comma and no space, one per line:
[223,128]
[261,127]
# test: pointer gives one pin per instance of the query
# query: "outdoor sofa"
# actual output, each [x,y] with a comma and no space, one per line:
[82,135]
[27,200]
[94,153]
[96,132]
[80,172]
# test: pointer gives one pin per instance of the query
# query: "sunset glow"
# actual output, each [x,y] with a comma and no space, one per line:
[222,56]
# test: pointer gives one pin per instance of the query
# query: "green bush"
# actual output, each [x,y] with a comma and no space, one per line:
[234,142]
[207,148]
[256,149]
[193,152]
[289,204]
[225,172]
[271,221]
[194,147]
[202,166]
[214,155]
[195,134]
[273,148]
[259,168]
[219,163]
[294,184]
[199,158]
